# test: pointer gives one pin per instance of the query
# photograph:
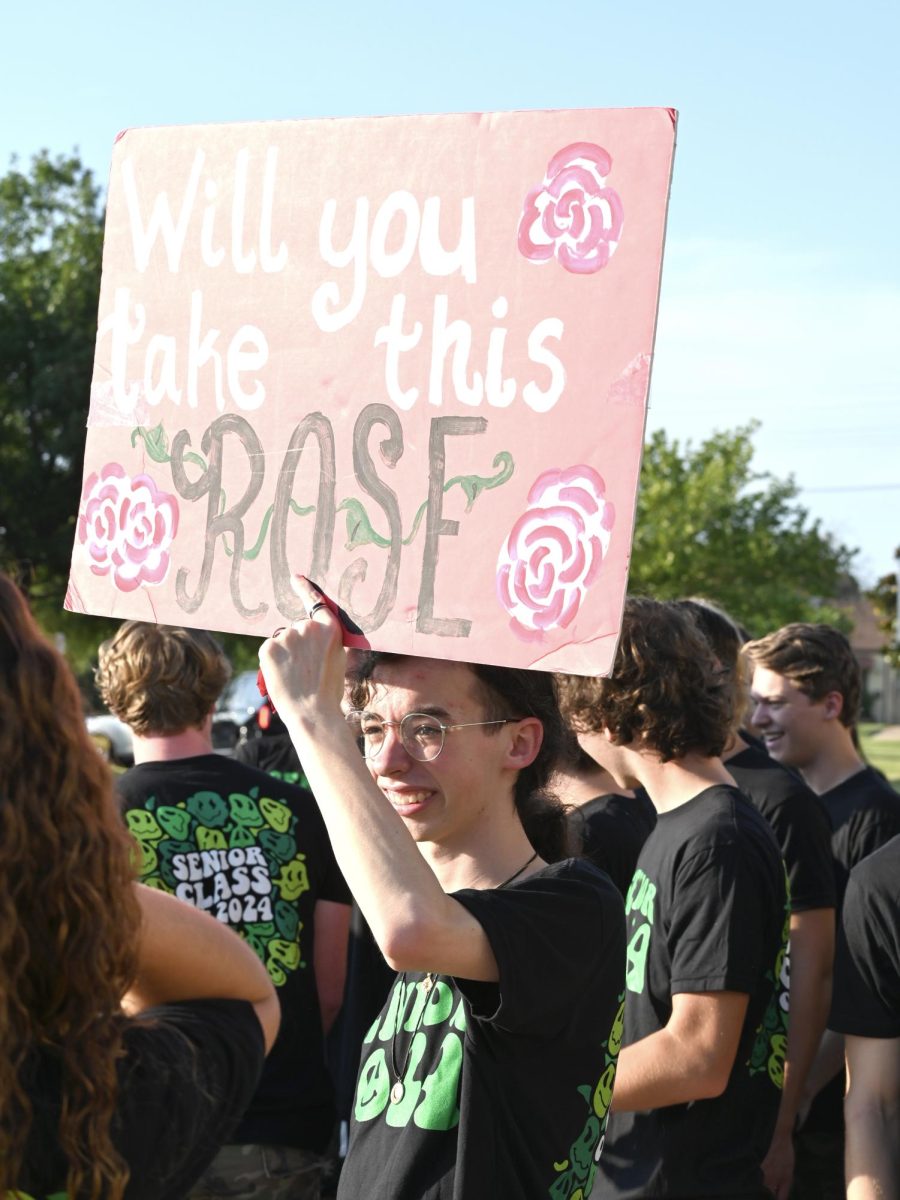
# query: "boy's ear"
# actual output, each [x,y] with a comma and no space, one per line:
[833,705]
[527,739]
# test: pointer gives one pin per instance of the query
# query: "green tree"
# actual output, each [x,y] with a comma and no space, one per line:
[709,524]
[51,237]
[884,600]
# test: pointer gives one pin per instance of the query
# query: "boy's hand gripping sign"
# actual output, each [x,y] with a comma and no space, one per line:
[407,357]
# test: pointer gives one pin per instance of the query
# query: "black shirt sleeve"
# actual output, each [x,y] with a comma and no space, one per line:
[190,1071]
[717,930]
[866,1000]
[550,914]
[803,833]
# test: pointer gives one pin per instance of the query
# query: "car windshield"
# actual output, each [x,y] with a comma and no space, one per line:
[241,695]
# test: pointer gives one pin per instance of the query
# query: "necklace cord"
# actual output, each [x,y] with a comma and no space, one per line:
[397,1090]
[516,874]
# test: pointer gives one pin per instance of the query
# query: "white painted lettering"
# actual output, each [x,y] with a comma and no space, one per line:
[455,336]
[434,258]
[500,392]
[270,263]
[143,238]
[543,401]
[387,263]
[123,334]
[326,301]
[396,342]
[211,255]
[161,345]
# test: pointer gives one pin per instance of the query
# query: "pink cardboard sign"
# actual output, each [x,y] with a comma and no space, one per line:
[407,357]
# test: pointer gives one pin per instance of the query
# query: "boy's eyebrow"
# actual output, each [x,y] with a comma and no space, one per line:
[427,710]
[431,710]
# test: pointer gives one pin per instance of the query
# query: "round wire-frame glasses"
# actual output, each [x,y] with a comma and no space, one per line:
[422,735]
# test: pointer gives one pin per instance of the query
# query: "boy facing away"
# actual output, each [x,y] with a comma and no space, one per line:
[705,1020]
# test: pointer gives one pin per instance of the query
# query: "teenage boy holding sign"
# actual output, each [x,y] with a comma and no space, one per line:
[490,1070]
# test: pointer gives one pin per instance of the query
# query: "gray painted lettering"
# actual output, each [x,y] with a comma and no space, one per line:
[391,449]
[317,424]
[437,526]
[217,524]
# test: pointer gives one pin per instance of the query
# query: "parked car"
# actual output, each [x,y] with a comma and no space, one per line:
[240,714]
[112,738]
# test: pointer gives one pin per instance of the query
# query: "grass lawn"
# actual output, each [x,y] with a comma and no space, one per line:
[882,753]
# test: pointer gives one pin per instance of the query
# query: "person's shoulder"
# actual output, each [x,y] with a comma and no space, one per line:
[722,819]
[166,1040]
[578,878]
[749,822]
[760,777]
[883,795]
[599,808]
[778,793]
[134,785]
[193,1067]
[879,870]
[155,769]
[271,785]
[865,789]
[715,809]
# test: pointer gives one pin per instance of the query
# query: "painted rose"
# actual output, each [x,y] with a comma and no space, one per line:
[573,216]
[127,526]
[554,551]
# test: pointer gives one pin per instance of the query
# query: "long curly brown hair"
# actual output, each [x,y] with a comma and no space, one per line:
[665,689]
[69,919]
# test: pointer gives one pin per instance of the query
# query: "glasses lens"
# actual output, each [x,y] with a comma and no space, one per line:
[422,736]
[368,729]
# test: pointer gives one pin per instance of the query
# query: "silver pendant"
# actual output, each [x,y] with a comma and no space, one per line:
[397,1092]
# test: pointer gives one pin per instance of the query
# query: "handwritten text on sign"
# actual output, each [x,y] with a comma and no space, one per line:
[407,357]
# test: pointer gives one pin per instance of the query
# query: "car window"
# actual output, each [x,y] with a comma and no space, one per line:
[241,694]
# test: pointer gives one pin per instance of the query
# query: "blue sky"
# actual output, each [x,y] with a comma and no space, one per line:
[781,286]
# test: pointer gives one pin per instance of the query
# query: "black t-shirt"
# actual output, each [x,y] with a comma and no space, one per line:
[866,999]
[611,830]
[865,814]
[252,851]
[506,1085]
[706,911]
[798,820]
[186,1076]
[369,980]
[273,753]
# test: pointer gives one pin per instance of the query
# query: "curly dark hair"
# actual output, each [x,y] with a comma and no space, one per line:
[665,690]
[506,692]
[726,640]
[69,918]
[818,659]
[161,679]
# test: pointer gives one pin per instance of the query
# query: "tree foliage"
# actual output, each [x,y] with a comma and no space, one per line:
[51,237]
[884,600]
[709,524]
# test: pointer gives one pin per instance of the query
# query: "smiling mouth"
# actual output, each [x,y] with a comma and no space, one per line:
[407,800]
